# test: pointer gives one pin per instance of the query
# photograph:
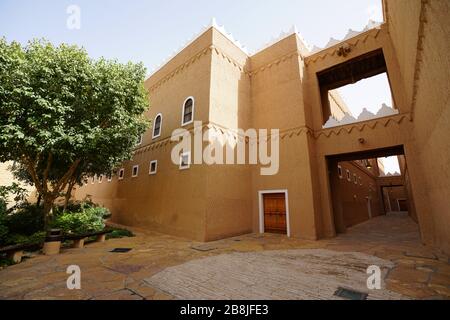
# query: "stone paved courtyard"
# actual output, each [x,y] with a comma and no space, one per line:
[246,267]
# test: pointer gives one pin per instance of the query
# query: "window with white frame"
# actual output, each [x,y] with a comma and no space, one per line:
[121,173]
[110,177]
[349,178]
[135,171]
[185,160]
[153,166]
[93,180]
[157,125]
[339,171]
[100,179]
[355,179]
[188,111]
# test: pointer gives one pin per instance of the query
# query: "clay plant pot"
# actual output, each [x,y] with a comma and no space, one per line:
[52,243]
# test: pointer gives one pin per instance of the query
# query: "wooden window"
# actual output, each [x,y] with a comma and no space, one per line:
[153,166]
[157,124]
[185,160]
[188,111]
[135,171]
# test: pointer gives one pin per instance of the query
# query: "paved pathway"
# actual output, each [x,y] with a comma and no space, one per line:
[280,274]
[290,268]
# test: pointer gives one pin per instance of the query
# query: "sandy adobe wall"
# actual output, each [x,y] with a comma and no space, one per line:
[420,32]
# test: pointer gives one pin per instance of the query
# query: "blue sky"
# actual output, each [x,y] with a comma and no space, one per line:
[150,31]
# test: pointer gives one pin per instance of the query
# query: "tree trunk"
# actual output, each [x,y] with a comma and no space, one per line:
[68,195]
[48,204]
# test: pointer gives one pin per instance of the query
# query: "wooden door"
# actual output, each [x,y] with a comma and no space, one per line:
[275,213]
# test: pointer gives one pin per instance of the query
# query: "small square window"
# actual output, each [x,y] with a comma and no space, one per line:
[135,171]
[153,166]
[121,174]
[139,140]
[340,171]
[185,160]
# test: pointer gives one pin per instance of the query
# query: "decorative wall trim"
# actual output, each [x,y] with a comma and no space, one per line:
[276,62]
[180,68]
[419,55]
[333,50]
[212,25]
[230,60]
[291,132]
[350,34]
[365,115]
[361,126]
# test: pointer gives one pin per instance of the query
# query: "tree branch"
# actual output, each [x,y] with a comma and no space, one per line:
[46,171]
[61,184]
[32,171]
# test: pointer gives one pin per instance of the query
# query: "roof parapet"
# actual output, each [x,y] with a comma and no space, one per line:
[350,34]
[283,35]
[212,24]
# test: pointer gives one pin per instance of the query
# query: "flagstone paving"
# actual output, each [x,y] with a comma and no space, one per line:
[245,267]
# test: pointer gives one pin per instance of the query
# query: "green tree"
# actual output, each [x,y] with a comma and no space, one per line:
[64,116]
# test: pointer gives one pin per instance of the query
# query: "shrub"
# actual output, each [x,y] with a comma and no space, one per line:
[119,233]
[3,207]
[74,206]
[3,234]
[5,262]
[89,220]
[26,220]
[15,238]
[3,227]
